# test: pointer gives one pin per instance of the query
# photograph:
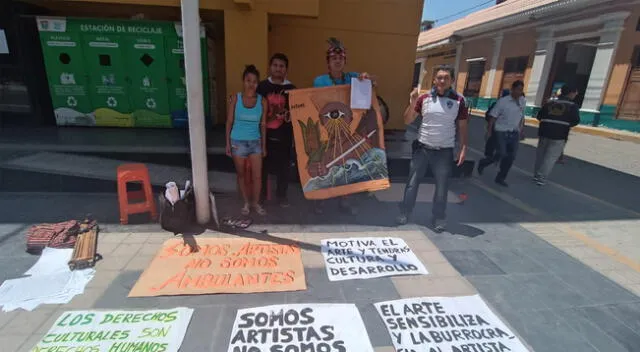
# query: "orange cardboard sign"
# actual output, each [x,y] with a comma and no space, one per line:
[340,150]
[222,265]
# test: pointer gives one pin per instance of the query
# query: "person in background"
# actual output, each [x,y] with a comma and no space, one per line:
[279,129]
[507,120]
[556,119]
[336,61]
[443,113]
[490,144]
[246,137]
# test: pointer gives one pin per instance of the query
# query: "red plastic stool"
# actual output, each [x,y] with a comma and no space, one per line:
[129,173]
[248,179]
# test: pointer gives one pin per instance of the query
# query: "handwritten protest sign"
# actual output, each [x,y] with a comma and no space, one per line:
[231,265]
[369,257]
[300,328]
[115,331]
[446,324]
[340,150]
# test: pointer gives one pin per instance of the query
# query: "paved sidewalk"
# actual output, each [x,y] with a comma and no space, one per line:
[559,264]
[127,255]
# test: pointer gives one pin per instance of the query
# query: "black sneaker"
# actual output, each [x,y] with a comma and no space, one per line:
[501,182]
[402,219]
[346,205]
[439,225]
[481,167]
[284,203]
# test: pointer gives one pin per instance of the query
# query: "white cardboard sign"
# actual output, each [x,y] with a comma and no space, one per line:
[446,324]
[103,331]
[300,328]
[369,257]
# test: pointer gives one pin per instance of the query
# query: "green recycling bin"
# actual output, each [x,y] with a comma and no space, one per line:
[66,73]
[117,73]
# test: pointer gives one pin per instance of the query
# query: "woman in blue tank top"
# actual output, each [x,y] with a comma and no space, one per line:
[246,118]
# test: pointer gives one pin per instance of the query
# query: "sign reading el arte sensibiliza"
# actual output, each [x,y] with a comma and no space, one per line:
[369,257]
[117,331]
[446,324]
[300,328]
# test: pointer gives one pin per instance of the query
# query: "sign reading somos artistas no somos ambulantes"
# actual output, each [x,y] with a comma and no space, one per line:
[369,257]
[117,331]
[446,324]
[300,328]
[229,265]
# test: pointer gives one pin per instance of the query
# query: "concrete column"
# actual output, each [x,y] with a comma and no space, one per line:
[457,64]
[497,45]
[422,72]
[602,63]
[545,50]
[195,106]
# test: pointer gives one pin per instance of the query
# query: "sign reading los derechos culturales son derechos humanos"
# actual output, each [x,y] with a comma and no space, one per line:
[300,328]
[117,331]
[369,257]
[446,324]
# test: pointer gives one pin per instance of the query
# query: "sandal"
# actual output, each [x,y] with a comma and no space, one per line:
[237,223]
[245,210]
[259,209]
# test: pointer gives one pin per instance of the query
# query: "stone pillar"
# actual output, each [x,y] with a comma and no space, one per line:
[195,107]
[602,63]
[545,50]
[497,45]
[421,71]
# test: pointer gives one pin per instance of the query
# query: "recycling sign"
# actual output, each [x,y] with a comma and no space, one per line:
[72,102]
[112,102]
[151,104]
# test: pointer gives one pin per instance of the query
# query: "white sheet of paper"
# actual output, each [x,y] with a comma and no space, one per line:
[34,287]
[59,288]
[152,330]
[369,257]
[361,93]
[52,261]
[318,326]
[4,46]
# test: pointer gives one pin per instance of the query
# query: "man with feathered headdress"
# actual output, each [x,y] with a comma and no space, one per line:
[336,61]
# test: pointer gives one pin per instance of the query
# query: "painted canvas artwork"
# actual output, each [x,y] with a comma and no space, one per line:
[340,151]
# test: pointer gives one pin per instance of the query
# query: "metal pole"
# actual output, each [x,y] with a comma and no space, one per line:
[195,107]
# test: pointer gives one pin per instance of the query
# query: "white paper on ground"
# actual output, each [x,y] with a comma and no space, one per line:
[52,261]
[67,286]
[426,324]
[34,287]
[369,257]
[51,282]
[317,326]
[361,93]
[152,330]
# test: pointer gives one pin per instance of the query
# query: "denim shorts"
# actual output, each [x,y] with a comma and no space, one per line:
[243,149]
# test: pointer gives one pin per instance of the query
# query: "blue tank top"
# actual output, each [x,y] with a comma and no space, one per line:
[246,122]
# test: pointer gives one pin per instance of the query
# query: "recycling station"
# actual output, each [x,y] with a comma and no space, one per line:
[117,73]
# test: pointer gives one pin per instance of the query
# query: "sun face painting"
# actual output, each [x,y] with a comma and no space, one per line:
[340,151]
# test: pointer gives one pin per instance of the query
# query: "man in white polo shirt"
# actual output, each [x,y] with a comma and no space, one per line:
[443,113]
[507,120]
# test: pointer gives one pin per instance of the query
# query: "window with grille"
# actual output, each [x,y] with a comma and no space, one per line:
[474,79]
[514,69]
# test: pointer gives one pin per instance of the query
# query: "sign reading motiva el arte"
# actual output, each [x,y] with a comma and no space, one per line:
[115,73]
